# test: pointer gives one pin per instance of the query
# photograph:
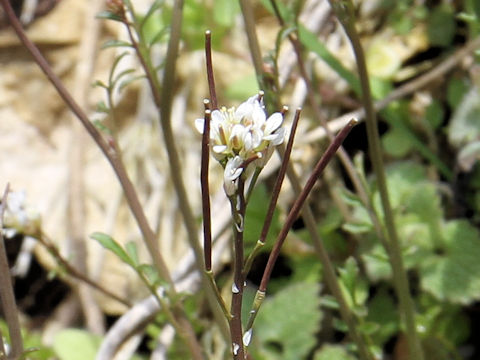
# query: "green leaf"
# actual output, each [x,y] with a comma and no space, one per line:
[333,352]
[115,43]
[441,26]
[454,274]
[75,344]
[99,83]
[108,15]
[100,126]
[434,114]
[377,263]
[311,42]
[132,251]
[151,274]
[456,90]
[355,288]
[109,243]
[102,107]
[290,318]
[382,311]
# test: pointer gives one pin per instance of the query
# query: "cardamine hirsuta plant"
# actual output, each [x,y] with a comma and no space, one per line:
[242,140]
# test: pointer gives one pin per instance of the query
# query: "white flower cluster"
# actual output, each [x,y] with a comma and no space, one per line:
[18,218]
[239,136]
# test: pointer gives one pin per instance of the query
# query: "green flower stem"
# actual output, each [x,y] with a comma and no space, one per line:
[7,296]
[218,296]
[237,202]
[345,13]
[257,303]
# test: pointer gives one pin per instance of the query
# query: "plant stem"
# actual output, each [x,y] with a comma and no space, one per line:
[7,296]
[237,202]
[345,13]
[207,224]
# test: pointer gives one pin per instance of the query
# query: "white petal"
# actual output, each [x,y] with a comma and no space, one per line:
[273,123]
[237,131]
[280,136]
[247,141]
[257,136]
[218,118]
[219,148]
[244,110]
[258,114]
[232,169]
[199,124]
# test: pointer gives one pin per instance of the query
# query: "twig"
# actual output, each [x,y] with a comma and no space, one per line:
[7,296]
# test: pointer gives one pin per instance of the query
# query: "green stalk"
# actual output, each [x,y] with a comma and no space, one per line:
[345,13]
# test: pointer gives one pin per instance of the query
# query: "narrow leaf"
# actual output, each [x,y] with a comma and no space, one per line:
[108,15]
[312,43]
[109,243]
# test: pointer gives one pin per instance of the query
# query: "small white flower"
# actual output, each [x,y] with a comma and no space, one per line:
[239,135]
[231,174]
[18,218]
